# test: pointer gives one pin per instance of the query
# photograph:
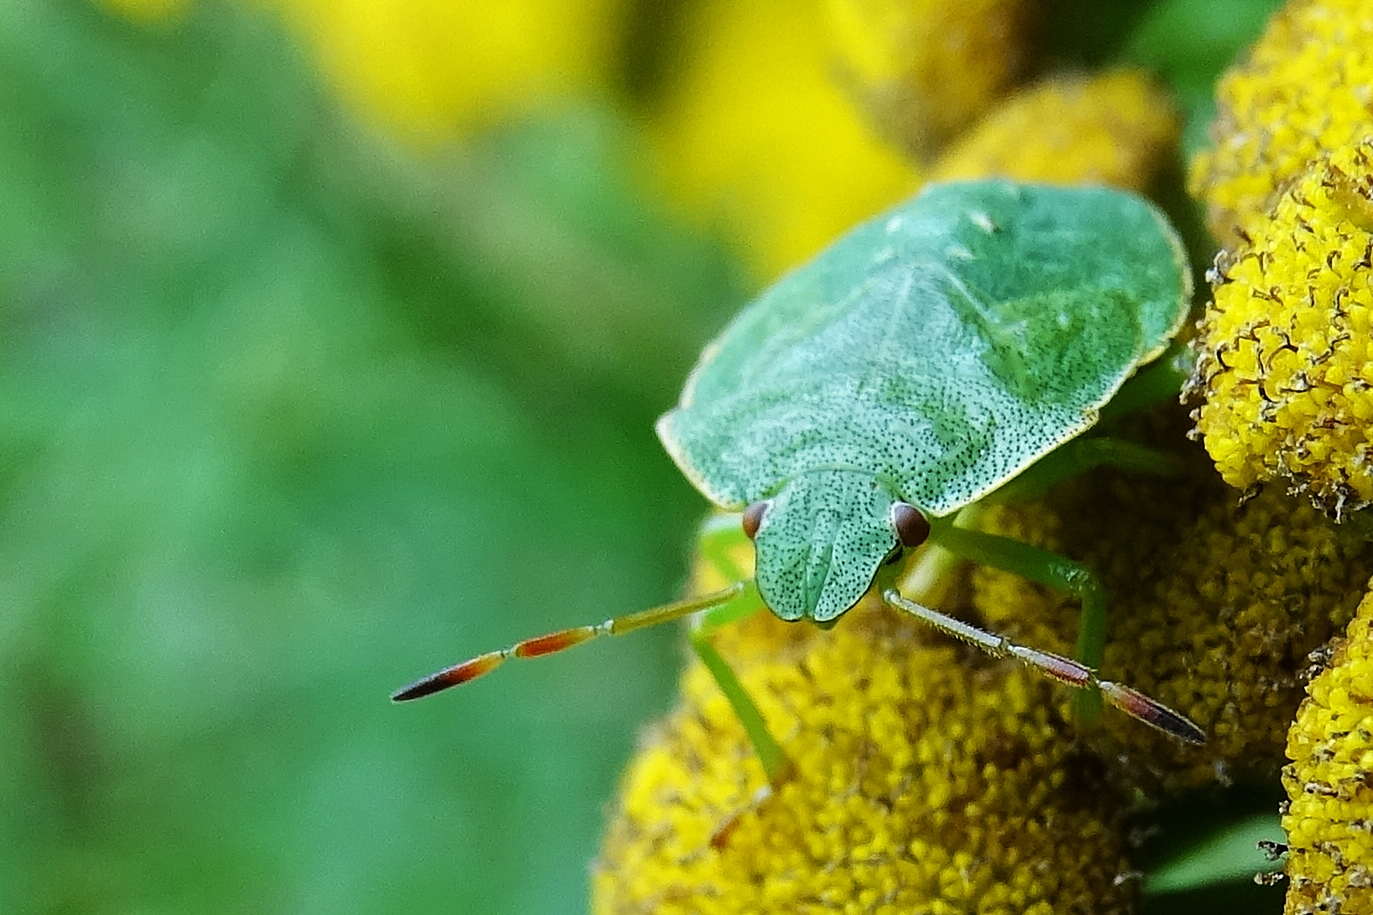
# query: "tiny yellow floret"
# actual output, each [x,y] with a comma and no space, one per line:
[1306,88]
[1329,818]
[1285,346]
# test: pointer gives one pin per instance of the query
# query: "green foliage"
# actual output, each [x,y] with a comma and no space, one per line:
[1232,853]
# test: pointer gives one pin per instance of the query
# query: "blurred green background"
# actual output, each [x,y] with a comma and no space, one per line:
[292,416]
[333,336]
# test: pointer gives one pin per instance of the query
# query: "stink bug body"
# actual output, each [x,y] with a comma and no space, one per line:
[919,364]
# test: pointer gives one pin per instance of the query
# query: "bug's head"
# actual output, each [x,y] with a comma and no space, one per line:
[821,538]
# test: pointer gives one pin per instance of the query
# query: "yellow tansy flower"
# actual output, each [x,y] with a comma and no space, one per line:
[1286,353]
[1115,128]
[1214,606]
[1306,88]
[927,69]
[928,779]
[1329,817]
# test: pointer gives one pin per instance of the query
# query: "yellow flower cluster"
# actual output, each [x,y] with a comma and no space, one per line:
[928,779]
[1307,87]
[1329,818]
[1214,605]
[1116,128]
[927,69]
[1286,353]
[897,802]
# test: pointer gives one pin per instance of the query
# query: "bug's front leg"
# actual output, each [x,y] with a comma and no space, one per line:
[1064,670]
[1042,566]
[1056,571]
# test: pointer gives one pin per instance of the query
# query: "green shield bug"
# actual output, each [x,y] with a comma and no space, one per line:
[921,363]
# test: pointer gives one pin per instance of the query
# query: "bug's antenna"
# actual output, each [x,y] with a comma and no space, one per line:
[541,645]
[1065,670]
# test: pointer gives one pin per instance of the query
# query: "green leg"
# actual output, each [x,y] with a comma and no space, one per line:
[1049,569]
[715,544]
[770,753]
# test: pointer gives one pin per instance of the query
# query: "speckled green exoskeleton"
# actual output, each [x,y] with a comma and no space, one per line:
[950,351]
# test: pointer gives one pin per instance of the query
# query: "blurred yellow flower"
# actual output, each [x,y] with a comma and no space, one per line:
[433,69]
[928,779]
[1116,128]
[1329,817]
[756,139]
[1286,355]
[926,70]
[1303,90]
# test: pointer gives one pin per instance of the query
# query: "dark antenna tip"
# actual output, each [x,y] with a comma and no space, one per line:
[419,689]
[451,676]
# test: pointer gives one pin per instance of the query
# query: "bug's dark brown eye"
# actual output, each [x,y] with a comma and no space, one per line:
[911,527]
[753,516]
